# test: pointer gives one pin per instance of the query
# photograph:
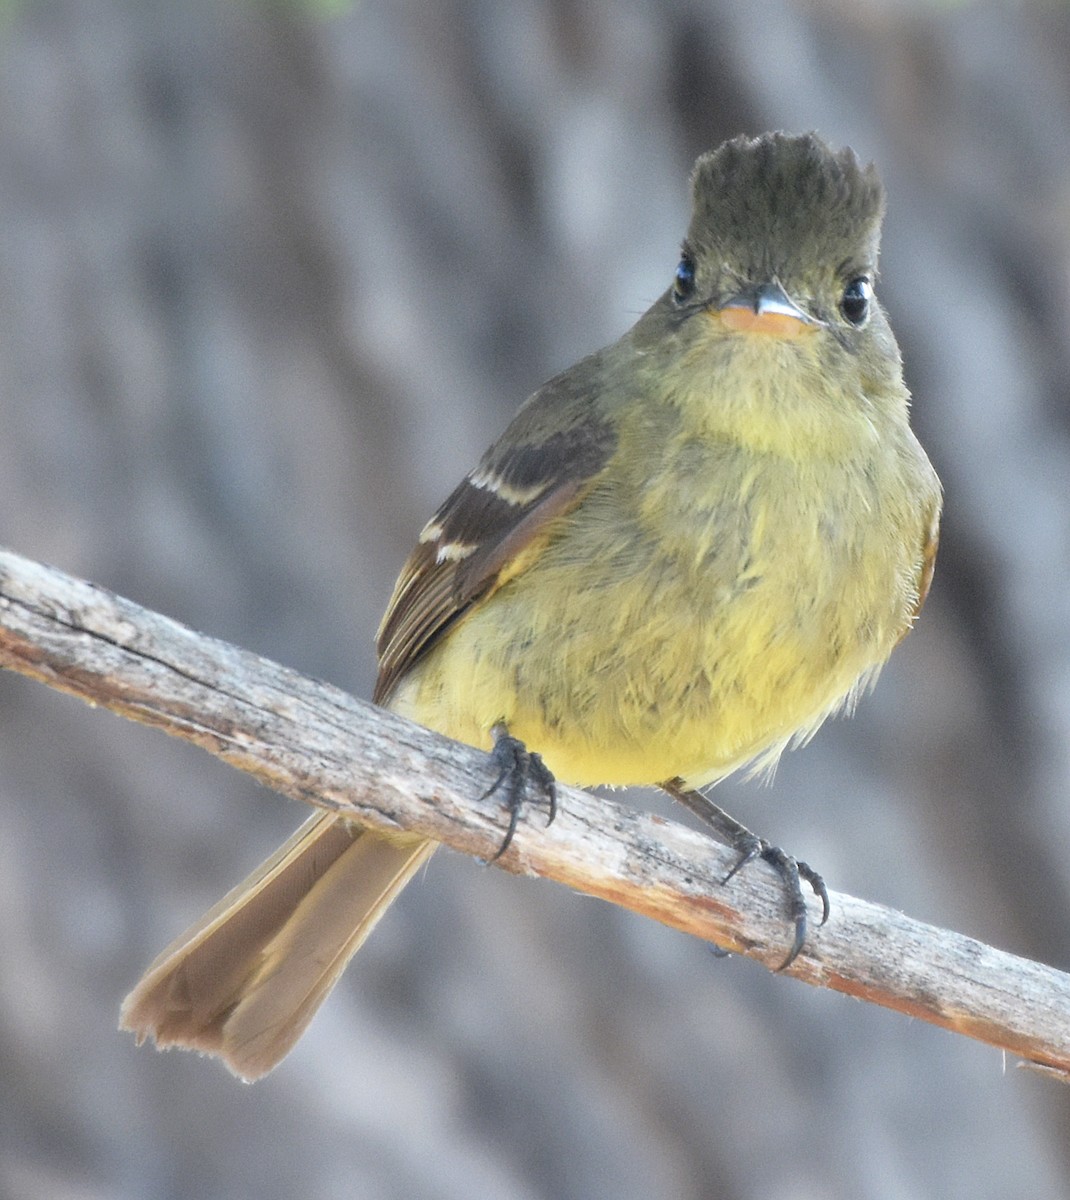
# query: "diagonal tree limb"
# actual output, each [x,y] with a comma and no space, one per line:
[311,741]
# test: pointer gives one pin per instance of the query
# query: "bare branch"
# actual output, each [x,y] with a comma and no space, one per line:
[311,741]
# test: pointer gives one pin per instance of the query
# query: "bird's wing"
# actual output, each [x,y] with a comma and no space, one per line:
[928,558]
[928,563]
[499,518]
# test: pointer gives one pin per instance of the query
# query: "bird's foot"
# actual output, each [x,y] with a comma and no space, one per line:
[518,768]
[792,872]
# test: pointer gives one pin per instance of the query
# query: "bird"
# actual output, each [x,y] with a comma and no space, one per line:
[683,554]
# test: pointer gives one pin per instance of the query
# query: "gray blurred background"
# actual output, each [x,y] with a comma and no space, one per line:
[271,277]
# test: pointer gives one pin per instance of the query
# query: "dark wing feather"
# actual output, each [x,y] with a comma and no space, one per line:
[493,524]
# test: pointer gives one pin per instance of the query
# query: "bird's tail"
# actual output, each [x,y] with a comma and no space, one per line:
[243,982]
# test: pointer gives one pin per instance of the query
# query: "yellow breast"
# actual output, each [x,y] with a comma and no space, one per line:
[684,620]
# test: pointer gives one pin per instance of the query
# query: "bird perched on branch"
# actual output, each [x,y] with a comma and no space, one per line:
[682,555]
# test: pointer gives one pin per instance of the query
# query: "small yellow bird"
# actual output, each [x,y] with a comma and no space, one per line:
[683,554]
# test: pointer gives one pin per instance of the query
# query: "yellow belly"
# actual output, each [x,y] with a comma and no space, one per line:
[678,635]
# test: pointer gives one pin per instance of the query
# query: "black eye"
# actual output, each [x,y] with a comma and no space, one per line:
[856,297]
[684,283]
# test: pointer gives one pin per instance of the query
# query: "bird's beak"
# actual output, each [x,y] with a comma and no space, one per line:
[766,309]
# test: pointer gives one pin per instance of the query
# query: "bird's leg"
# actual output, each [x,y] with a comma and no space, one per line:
[517,768]
[750,847]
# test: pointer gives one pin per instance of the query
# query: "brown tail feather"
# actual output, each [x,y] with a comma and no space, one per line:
[244,981]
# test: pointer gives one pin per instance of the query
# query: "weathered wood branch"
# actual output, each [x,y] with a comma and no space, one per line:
[314,742]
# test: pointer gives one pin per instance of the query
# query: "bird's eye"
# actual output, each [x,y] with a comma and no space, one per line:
[856,297]
[684,281]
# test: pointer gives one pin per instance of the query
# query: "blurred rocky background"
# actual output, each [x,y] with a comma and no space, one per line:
[271,277]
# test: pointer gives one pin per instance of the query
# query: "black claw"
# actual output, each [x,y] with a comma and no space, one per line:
[788,870]
[518,768]
[543,778]
[813,878]
[750,848]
